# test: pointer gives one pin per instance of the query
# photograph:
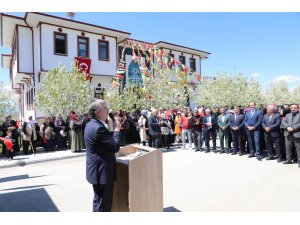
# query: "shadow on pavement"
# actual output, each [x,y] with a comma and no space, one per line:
[171,209]
[19,177]
[35,200]
[26,187]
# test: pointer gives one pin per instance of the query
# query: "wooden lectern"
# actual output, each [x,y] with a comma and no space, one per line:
[139,185]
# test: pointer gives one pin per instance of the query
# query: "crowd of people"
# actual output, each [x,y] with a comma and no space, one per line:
[275,129]
[52,134]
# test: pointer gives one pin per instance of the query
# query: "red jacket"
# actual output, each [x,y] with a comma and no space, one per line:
[186,123]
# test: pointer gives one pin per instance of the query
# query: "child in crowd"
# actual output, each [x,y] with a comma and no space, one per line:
[9,152]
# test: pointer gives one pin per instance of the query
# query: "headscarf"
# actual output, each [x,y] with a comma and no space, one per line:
[144,112]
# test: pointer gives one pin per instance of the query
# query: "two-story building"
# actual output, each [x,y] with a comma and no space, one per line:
[40,42]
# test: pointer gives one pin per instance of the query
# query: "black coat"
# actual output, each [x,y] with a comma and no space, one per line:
[100,153]
[154,126]
[274,125]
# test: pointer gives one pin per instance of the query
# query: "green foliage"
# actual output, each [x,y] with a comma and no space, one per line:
[63,90]
[278,92]
[296,95]
[228,90]
[8,101]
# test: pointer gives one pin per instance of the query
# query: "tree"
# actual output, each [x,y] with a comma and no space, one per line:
[295,95]
[278,92]
[253,93]
[159,91]
[228,90]
[63,90]
[8,101]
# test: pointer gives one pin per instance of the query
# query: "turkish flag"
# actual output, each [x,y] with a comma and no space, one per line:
[84,64]
[9,145]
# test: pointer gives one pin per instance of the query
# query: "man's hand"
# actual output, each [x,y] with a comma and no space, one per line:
[118,124]
[290,129]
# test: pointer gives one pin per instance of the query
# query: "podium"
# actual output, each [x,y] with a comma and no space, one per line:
[139,185]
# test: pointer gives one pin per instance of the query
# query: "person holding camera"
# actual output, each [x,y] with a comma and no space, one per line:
[165,127]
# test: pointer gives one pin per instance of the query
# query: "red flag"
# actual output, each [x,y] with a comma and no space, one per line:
[122,67]
[186,70]
[84,64]
[198,77]
[120,76]
[8,143]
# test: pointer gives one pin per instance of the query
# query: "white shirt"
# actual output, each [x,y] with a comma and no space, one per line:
[104,123]
[223,118]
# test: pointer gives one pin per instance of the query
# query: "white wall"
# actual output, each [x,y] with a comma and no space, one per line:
[49,60]
[25,50]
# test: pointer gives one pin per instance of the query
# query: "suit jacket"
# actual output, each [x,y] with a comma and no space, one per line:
[290,122]
[274,124]
[213,121]
[253,120]
[101,147]
[223,124]
[239,122]
[154,126]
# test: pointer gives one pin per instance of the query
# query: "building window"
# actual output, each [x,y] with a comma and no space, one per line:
[103,50]
[170,57]
[182,59]
[60,44]
[83,47]
[193,64]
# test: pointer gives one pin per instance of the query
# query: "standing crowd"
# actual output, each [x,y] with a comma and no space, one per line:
[273,129]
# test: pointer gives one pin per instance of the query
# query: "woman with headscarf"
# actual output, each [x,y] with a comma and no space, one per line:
[61,135]
[143,126]
[76,133]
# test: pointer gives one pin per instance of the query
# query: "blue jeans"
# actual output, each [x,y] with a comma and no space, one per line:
[189,134]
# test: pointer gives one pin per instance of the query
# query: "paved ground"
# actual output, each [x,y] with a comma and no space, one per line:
[193,181]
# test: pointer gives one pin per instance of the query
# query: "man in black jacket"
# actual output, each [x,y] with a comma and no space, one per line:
[100,156]
[196,124]
[271,125]
[154,129]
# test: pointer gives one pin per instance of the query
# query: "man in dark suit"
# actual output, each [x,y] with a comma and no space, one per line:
[271,125]
[101,147]
[223,123]
[253,120]
[236,124]
[291,126]
[154,129]
[210,123]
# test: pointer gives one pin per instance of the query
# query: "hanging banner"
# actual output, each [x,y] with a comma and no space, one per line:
[84,64]
[134,74]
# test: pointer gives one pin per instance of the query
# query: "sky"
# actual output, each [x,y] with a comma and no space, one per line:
[265,46]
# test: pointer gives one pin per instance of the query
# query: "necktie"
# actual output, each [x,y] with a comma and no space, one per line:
[252,112]
[236,116]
